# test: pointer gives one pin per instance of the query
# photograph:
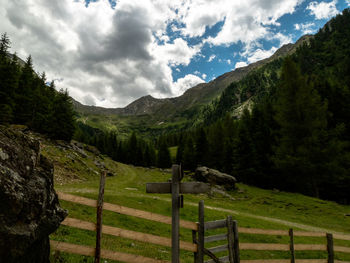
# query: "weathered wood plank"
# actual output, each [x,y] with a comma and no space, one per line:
[264,246]
[236,242]
[175,206]
[214,224]
[284,261]
[107,254]
[266,261]
[218,248]
[342,237]
[99,217]
[224,259]
[246,230]
[310,247]
[291,245]
[200,254]
[194,241]
[342,249]
[125,210]
[119,232]
[185,188]
[229,224]
[330,248]
[308,234]
[215,238]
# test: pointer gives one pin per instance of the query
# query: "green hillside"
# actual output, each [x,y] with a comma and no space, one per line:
[77,169]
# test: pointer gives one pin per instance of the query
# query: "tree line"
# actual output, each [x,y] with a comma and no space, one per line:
[26,98]
[134,150]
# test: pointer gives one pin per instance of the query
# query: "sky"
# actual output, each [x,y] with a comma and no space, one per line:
[110,52]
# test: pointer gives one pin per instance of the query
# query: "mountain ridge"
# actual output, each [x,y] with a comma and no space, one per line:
[192,98]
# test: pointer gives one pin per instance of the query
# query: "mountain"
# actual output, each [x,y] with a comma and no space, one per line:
[188,104]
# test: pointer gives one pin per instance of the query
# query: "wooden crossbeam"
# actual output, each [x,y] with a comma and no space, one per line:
[214,224]
[106,254]
[125,210]
[246,230]
[185,188]
[119,232]
[263,246]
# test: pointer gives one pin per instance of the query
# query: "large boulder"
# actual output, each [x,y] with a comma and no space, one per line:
[29,207]
[214,177]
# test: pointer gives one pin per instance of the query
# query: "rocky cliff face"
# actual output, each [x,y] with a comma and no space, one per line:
[29,208]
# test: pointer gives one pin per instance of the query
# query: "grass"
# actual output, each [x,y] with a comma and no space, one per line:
[250,206]
[144,125]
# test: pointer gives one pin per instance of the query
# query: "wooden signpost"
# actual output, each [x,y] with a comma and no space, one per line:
[175,187]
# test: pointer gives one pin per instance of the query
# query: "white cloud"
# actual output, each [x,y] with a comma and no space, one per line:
[109,57]
[241,64]
[105,56]
[240,23]
[323,10]
[204,76]
[211,58]
[183,84]
[260,54]
[177,53]
[229,61]
[307,28]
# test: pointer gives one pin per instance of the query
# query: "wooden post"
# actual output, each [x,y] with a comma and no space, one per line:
[230,238]
[235,242]
[291,245]
[175,229]
[200,253]
[330,248]
[99,218]
[194,241]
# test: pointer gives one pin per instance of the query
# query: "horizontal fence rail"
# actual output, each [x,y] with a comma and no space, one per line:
[231,246]
[138,236]
[273,232]
[106,254]
[288,261]
[126,210]
[124,233]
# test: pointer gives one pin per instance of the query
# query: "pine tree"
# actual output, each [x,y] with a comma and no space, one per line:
[7,82]
[62,119]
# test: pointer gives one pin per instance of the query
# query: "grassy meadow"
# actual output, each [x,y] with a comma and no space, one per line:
[252,207]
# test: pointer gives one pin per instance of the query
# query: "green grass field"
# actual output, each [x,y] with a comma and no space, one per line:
[250,206]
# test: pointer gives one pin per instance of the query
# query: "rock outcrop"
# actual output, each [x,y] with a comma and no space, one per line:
[29,207]
[214,177]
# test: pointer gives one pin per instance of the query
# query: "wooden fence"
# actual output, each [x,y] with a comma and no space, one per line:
[233,246]
[119,232]
[197,246]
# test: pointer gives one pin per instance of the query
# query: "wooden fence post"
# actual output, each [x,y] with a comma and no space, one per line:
[200,253]
[175,223]
[194,241]
[291,245]
[330,248]
[236,242]
[99,218]
[230,238]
